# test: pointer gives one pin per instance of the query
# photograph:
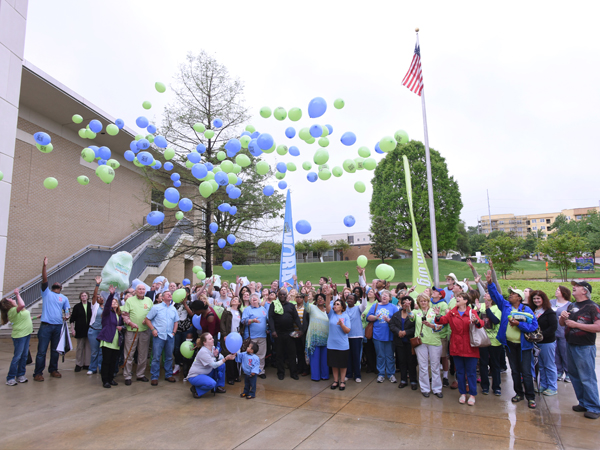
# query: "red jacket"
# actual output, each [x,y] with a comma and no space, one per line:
[460,342]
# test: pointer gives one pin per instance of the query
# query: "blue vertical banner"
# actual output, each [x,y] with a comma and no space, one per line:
[287,265]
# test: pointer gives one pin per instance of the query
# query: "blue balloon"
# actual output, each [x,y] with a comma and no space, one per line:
[282,184]
[142,122]
[196,323]
[104,152]
[265,141]
[168,166]
[281,167]
[145,158]
[199,171]
[224,207]
[303,227]
[349,221]
[233,210]
[294,151]
[177,183]
[157,165]
[175,177]
[229,188]
[317,107]
[316,130]
[234,340]
[200,148]
[268,190]
[160,141]
[96,126]
[172,195]
[129,155]
[155,218]
[221,178]
[217,123]
[330,128]
[221,243]
[377,149]
[213,227]
[312,177]
[120,123]
[235,193]
[238,182]
[185,281]
[227,266]
[95,148]
[143,144]
[348,138]
[231,239]
[254,149]
[101,162]
[209,166]
[233,145]
[151,128]
[185,204]
[290,132]
[255,135]
[42,138]
[194,157]
[133,146]
[230,154]
[245,133]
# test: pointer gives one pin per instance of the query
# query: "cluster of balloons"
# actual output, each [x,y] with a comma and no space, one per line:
[385,272]
[199,272]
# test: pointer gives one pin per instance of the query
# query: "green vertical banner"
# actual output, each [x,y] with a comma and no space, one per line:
[421,278]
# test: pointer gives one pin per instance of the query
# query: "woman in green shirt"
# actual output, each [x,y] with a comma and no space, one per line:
[22,327]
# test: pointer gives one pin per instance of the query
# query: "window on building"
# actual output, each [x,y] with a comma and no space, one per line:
[568,217]
[578,217]
[519,229]
[350,239]
[534,228]
[533,220]
[501,222]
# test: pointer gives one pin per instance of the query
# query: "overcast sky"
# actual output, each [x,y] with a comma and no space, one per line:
[511,87]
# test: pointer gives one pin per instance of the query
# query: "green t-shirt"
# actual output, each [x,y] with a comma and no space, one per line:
[138,310]
[493,332]
[21,323]
[115,342]
[85,305]
[428,337]
[445,333]
[513,334]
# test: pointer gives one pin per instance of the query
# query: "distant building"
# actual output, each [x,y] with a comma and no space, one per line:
[360,238]
[360,244]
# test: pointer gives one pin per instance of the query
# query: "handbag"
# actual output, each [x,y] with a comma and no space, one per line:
[416,341]
[534,336]
[478,336]
[369,328]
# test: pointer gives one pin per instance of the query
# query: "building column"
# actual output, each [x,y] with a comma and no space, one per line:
[13,19]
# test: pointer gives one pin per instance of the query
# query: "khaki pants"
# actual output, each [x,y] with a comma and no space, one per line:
[83,353]
[262,352]
[142,343]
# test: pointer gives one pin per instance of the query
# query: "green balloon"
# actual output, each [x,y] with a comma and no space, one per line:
[169,154]
[199,127]
[295,114]
[189,164]
[214,185]
[369,163]
[51,182]
[208,134]
[387,144]
[196,269]
[113,163]
[112,129]
[83,180]
[237,169]
[187,349]
[265,112]
[137,163]
[323,142]
[242,160]
[250,128]
[150,138]
[179,215]
[385,272]
[262,167]
[324,174]
[291,167]
[146,105]
[232,178]
[217,169]
[201,275]
[280,113]
[325,131]
[304,134]
[105,173]
[160,87]
[282,150]
[311,140]
[77,118]
[245,140]
[168,204]
[321,156]
[179,295]
[205,189]
[45,148]
[401,137]
[337,171]
[272,149]
[82,133]
[359,163]
[338,103]
[307,165]
[360,187]
[362,261]
[280,176]
[322,166]
[210,176]
[364,152]
[221,155]
[89,134]
[1,176]
[138,137]
[349,166]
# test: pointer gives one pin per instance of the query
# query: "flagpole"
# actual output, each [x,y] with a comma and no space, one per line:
[434,251]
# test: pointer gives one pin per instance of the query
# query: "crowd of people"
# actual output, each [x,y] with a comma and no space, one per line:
[324,331]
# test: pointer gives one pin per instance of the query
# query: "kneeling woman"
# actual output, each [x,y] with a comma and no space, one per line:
[208,371]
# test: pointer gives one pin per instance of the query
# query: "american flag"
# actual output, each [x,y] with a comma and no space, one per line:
[413,79]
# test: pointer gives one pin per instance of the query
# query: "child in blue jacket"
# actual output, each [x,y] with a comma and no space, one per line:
[251,367]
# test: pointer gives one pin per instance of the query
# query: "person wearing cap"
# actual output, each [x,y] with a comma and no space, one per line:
[512,334]
[438,300]
[582,322]
[451,280]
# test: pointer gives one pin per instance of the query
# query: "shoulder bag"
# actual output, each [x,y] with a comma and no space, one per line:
[369,328]
[478,336]
[416,341]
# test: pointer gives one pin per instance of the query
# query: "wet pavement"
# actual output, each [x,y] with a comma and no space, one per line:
[76,412]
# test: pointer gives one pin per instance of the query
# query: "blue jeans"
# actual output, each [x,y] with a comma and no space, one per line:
[158,345]
[466,367]
[385,357]
[19,361]
[582,362]
[96,358]
[547,366]
[319,370]
[354,358]
[561,359]
[48,334]
[250,385]
[204,383]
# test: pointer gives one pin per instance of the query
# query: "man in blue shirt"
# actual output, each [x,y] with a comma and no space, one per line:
[54,304]
[162,320]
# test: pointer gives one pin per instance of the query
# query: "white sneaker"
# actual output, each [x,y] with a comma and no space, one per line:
[22,379]
[380,379]
[89,372]
[393,379]
[12,382]
[358,380]
[176,369]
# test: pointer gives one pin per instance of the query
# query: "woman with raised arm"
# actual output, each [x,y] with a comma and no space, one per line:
[22,328]
[112,324]
[95,328]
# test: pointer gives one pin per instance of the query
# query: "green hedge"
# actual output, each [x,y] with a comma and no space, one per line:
[548,287]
